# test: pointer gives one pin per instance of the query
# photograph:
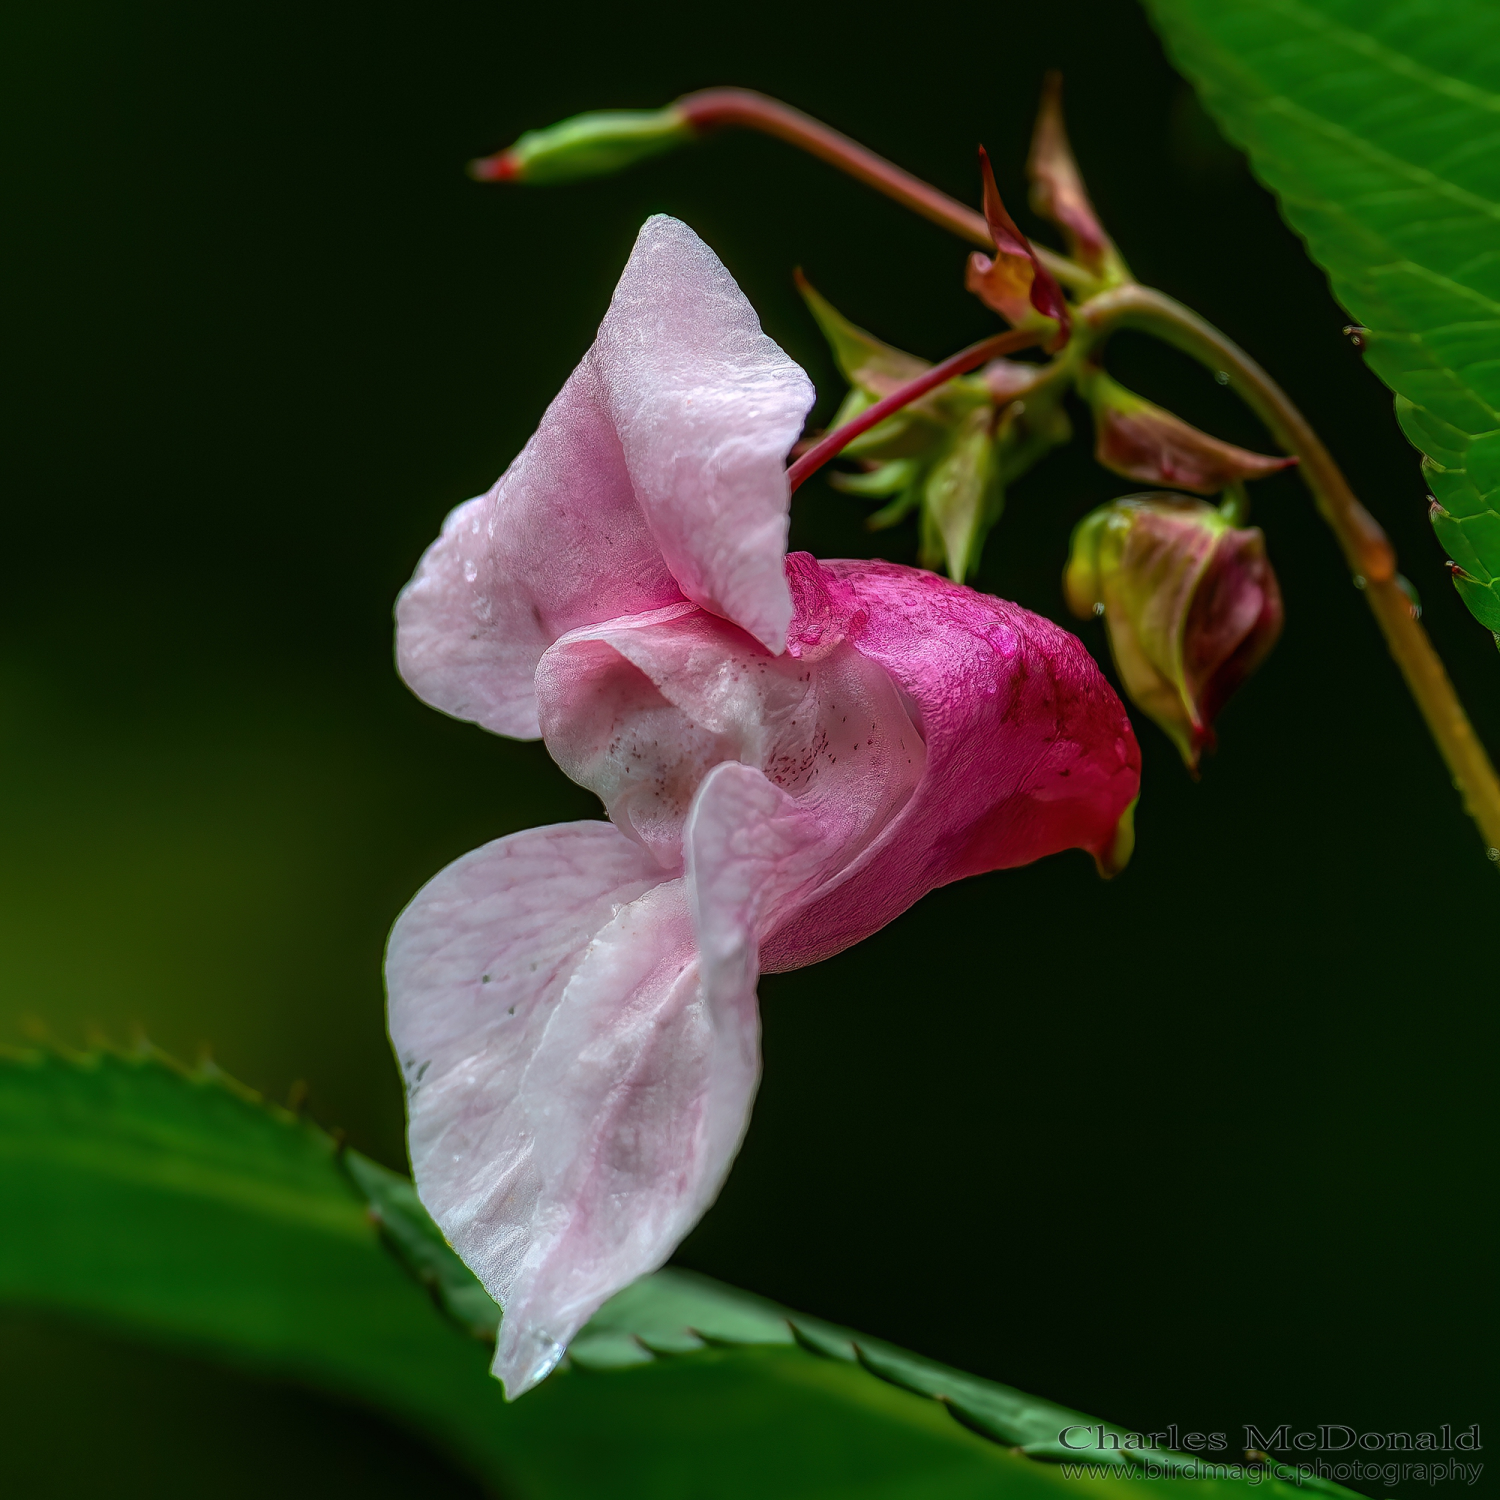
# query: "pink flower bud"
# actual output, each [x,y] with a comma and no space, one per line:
[1190,603]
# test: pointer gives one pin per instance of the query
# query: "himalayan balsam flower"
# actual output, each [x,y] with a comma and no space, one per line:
[790,753]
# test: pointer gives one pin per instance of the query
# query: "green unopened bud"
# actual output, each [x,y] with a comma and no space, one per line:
[1189,600]
[589,145]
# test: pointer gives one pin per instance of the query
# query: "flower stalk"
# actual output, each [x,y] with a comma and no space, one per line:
[833,443]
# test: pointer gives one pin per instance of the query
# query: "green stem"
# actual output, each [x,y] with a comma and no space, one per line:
[1366,547]
[1235,507]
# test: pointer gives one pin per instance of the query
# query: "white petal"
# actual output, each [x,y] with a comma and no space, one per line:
[575,1099]
[707,407]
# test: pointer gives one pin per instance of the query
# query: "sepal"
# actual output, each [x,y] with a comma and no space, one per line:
[1139,440]
[962,497]
[949,454]
[1013,282]
[1058,193]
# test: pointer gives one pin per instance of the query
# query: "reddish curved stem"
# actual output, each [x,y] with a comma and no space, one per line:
[710,107]
[961,363]
[744,107]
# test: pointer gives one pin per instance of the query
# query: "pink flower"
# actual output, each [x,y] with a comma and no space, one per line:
[790,752]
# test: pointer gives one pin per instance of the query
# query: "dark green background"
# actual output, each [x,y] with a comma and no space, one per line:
[1210,1145]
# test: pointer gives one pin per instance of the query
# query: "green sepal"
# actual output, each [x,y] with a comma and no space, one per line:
[963,497]
[862,359]
[889,479]
[898,510]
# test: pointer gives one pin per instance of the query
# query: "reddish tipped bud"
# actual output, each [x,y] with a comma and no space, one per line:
[1058,193]
[1141,441]
[503,166]
[1190,603]
[588,145]
[1013,283]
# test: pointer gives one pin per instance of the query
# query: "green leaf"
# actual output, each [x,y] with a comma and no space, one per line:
[1377,124]
[179,1206]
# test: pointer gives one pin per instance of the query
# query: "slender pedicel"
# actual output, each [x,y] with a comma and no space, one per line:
[620,137]
[834,443]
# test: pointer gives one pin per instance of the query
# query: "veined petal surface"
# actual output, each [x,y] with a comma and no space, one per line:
[1029,751]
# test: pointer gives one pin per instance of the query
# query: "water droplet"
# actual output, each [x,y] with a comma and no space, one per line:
[1492,853]
[1098,610]
[1360,581]
[547,1361]
[1222,376]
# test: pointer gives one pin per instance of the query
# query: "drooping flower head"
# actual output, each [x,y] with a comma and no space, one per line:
[790,753]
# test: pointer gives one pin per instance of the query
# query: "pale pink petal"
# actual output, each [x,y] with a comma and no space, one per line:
[575,1099]
[475,967]
[751,851]
[558,542]
[707,408]
[641,709]
[658,471]
[1029,751]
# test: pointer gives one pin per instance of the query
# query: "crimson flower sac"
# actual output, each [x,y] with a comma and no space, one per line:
[790,754]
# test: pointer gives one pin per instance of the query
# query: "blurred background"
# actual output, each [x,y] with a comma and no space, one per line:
[1211,1144]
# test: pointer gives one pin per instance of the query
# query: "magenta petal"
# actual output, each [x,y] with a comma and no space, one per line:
[657,472]
[1029,751]
[574,1100]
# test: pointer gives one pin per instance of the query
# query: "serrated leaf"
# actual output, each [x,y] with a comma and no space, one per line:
[1377,124]
[179,1205]
[420,1246]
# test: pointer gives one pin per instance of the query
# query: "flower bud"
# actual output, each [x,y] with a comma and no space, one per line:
[588,145]
[1189,600]
[1141,441]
